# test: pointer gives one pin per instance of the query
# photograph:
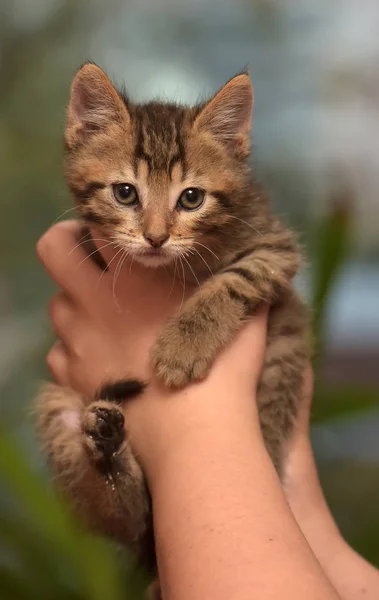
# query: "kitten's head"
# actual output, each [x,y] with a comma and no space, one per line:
[159,180]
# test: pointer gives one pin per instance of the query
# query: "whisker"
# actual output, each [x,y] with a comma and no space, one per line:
[119,265]
[125,235]
[63,214]
[183,282]
[206,247]
[131,262]
[204,261]
[86,235]
[173,281]
[114,285]
[117,272]
[192,271]
[246,223]
[90,239]
[110,262]
[94,252]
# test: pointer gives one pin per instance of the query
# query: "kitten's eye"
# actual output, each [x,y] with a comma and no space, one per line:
[125,194]
[191,199]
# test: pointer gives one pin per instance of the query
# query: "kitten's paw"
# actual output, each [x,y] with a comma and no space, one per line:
[179,364]
[103,426]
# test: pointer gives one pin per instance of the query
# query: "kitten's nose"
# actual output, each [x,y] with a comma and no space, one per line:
[156,240]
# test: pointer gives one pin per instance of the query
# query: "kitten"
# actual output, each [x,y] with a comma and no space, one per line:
[170,183]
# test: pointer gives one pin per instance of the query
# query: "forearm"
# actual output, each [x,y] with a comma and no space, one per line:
[352,576]
[223,528]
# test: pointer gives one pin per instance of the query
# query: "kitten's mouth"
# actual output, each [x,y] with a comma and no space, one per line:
[154,257]
[152,252]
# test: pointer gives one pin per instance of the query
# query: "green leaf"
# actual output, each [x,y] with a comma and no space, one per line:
[336,401]
[14,587]
[331,239]
[26,546]
[45,511]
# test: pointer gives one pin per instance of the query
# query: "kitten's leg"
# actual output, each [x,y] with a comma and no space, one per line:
[106,442]
[214,314]
[280,387]
[93,462]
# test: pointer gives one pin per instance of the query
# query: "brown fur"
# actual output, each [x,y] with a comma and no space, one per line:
[233,244]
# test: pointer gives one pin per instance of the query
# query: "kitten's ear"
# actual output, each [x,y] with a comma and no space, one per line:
[227,116]
[94,104]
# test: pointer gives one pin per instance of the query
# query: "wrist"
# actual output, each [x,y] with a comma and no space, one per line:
[308,504]
[164,423]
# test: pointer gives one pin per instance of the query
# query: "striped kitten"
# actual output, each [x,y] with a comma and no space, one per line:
[172,183]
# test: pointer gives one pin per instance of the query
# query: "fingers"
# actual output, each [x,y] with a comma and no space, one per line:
[63,257]
[61,316]
[57,363]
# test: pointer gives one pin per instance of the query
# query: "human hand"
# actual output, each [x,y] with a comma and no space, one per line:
[105,322]
[101,341]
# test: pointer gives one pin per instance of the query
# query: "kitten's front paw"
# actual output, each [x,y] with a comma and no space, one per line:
[103,425]
[177,358]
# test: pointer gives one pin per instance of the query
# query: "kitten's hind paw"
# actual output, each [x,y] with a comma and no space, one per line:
[103,426]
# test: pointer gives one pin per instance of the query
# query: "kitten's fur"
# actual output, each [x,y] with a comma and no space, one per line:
[163,149]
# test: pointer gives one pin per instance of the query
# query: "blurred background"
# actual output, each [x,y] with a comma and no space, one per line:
[315,68]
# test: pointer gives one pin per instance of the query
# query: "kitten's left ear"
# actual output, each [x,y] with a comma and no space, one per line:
[227,116]
[94,104]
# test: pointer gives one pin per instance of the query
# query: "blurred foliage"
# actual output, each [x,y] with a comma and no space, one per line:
[331,239]
[354,481]
[330,243]
[44,553]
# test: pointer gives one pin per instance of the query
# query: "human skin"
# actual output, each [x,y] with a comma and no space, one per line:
[223,525]
[352,576]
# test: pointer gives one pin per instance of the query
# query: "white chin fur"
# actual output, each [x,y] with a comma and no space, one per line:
[153,261]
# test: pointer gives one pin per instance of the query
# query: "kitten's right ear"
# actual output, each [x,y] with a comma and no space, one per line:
[227,116]
[94,104]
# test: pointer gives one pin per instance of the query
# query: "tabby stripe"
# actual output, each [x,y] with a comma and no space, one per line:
[92,217]
[244,273]
[140,153]
[271,247]
[287,330]
[93,186]
[243,254]
[221,197]
[273,362]
[241,298]
[85,194]
[206,228]
[173,161]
